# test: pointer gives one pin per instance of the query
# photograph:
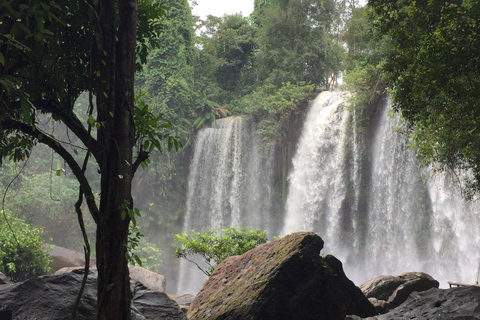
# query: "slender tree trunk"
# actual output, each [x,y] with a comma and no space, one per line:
[116,62]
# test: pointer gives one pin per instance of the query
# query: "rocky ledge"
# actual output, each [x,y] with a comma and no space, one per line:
[52,297]
[440,304]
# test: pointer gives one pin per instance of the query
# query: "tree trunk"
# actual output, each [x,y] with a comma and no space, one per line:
[115,60]
[114,294]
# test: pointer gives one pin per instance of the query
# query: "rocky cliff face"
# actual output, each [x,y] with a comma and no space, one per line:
[283,280]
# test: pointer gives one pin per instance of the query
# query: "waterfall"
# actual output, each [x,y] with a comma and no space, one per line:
[230,184]
[354,181]
[373,205]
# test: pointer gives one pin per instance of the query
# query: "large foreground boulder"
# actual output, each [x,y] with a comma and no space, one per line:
[387,292]
[52,297]
[283,280]
[440,304]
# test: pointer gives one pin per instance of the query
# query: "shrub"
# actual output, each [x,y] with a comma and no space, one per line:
[274,107]
[214,247]
[21,255]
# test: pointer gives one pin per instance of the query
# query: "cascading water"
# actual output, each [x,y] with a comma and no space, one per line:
[230,184]
[375,208]
[354,182]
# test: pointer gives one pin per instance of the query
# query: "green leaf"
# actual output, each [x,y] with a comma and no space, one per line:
[26,110]
[138,260]
[50,33]
[109,286]
[59,172]
[91,120]
[2,59]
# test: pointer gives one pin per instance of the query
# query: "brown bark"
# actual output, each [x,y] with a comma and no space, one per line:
[116,54]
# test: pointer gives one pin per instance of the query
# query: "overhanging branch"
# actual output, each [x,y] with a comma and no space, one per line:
[73,123]
[62,152]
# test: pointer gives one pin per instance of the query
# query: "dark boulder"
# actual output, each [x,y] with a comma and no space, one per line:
[284,279]
[391,291]
[49,297]
[440,304]
[381,287]
[52,297]
[155,305]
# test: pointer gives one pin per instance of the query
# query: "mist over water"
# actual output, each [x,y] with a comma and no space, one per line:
[355,183]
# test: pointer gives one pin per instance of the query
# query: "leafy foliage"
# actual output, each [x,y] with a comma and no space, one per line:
[44,199]
[214,247]
[153,128]
[364,60]
[274,107]
[228,43]
[21,255]
[295,43]
[433,70]
[167,75]
[150,255]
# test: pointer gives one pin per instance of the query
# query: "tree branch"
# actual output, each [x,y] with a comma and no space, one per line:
[198,266]
[142,156]
[73,123]
[86,247]
[62,152]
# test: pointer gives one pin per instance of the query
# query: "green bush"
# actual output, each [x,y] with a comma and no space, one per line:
[21,256]
[214,247]
[274,107]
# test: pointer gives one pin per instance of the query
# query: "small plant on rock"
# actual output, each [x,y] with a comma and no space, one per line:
[214,246]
